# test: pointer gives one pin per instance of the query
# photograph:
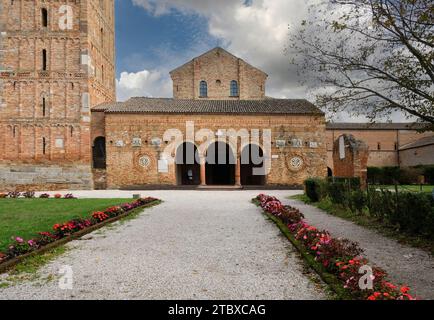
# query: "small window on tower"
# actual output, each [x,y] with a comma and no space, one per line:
[44,107]
[44,59]
[44,146]
[44,17]
[378,146]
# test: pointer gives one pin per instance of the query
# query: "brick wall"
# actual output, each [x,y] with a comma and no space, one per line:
[417,156]
[218,68]
[45,114]
[355,158]
[123,168]
[383,144]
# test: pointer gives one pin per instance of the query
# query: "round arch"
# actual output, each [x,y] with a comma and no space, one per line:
[252,168]
[187,164]
[220,164]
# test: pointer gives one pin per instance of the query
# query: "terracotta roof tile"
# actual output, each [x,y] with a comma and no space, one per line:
[174,106]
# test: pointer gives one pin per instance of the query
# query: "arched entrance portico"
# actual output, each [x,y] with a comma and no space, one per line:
[187,164]
[252,166]
[220,164]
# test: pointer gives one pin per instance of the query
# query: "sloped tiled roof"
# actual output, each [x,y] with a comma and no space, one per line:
[176,106]
[375,126]
[216,49]
[104,106]
[426,141]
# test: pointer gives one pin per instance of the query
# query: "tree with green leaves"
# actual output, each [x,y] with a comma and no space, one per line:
[369,57]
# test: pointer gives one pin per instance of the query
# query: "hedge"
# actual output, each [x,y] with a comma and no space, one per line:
[406,175]
[410,212]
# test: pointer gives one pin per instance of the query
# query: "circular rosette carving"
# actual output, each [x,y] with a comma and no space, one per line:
[296,163]
[144,161]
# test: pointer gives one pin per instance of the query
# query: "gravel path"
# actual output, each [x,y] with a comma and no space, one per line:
[196,245]
[405,264]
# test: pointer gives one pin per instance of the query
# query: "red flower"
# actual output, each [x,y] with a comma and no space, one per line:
[404,289]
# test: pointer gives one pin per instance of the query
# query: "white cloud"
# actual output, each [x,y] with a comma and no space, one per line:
[143,83]
[258,32]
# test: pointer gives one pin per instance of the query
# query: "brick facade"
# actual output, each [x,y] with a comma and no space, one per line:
[383,144]
[53,69]
[123,165]
[218,68]
[350,158]
[124,123]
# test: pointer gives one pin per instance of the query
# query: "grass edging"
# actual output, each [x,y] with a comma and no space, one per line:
[8,264]
[330,279]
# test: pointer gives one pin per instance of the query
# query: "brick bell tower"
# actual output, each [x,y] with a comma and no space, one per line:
[56,63]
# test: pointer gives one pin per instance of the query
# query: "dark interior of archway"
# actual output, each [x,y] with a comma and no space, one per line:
[220,165]
[99,153]
[249,161]
[187,165]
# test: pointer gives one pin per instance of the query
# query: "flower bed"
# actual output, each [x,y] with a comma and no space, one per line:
[20,247]
[339,257]
[31,194]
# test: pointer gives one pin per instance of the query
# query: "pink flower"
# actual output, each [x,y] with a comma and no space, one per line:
[31,243]
[19,240]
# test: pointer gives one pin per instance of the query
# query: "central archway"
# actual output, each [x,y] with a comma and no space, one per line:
[187,165]
[252,166]
[220,164]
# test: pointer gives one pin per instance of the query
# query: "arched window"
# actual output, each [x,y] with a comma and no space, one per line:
[44,17]
[44,59]
[203,89]
[234,88]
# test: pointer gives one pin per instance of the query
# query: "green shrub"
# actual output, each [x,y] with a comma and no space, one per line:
[357,201]
[391,175]
[409,175]
[428,172]
[350,183]
[381,204]
[316,189]
[375,175]
[338,193]
[414,213]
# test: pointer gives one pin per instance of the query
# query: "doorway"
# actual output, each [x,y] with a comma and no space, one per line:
[252,166]
[220,165]
[187,165]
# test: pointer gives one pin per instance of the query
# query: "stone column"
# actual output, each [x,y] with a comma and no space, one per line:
[203,171]
[238,172]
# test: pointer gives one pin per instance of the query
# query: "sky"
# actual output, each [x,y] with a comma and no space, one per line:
[155,36]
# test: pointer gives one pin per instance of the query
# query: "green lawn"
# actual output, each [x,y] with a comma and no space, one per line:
[26,217]
[411,188]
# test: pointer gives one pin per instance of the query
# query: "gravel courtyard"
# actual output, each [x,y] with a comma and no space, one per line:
[196,245]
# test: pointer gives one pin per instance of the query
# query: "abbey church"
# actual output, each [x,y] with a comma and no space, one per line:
[62,128]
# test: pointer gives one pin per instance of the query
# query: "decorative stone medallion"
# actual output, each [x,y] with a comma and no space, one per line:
[296,163]
[280,143]
[136,142]
[145,161]
[296,143]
